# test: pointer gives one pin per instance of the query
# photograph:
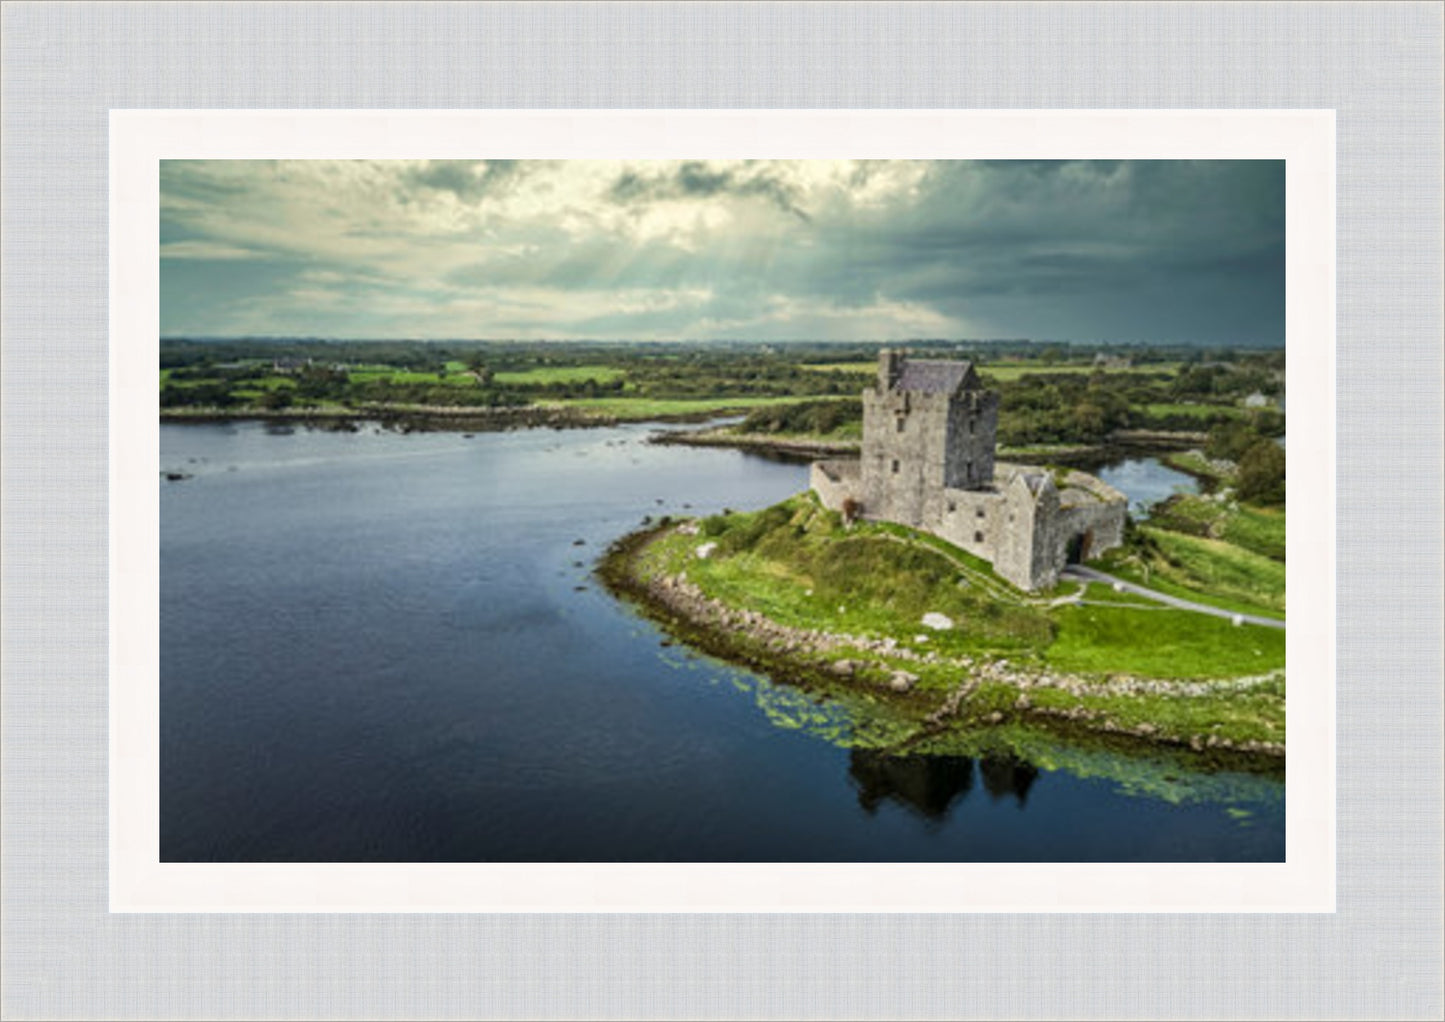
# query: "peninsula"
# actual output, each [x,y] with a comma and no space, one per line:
[950,591]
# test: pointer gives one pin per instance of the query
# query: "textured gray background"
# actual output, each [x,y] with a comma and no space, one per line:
[66,65]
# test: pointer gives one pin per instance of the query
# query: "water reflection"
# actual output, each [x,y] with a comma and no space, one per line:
[933,785]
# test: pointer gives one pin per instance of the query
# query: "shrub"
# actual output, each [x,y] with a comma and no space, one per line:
[1229,440]
[713,526]
[746,535]
[1260,478]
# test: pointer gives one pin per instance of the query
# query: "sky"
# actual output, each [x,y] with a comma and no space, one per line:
[1097,251]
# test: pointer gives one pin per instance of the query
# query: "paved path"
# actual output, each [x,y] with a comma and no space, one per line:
[1078,571]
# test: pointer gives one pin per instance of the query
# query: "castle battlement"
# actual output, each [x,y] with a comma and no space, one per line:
[930,432]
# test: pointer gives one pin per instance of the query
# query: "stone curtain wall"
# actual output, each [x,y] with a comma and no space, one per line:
[835,481]
[955,516]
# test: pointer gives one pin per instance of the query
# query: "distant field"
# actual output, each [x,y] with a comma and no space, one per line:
[839,367]
[1194,411]
[365,374]
[560,374]
[1012,371]
[272,383]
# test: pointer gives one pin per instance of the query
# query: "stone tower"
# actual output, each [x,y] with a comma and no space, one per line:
[927,425]
[972,432]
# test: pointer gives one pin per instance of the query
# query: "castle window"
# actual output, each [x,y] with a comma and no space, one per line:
[970,427]
[895,466]
[979,512]
[901,422]
[978,537]
[952,507]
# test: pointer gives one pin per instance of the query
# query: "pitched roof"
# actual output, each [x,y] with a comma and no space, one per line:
[934,377]
[1036,482]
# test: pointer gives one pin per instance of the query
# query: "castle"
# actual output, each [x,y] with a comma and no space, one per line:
[929,431]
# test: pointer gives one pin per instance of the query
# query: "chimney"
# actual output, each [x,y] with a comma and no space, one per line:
[890,367]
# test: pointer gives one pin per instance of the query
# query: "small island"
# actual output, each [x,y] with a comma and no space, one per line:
[956,595]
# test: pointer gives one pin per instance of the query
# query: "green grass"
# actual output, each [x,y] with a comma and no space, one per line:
[1215,565]
[1202,412]
[272,383]
[1259,530]
[560,374]
[1161,643]
[1008,371]
[1210,571]
[861,368]
[454,379]
[1100,592]
[1194,463]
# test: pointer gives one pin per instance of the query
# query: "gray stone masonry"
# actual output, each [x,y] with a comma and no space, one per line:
[929,435]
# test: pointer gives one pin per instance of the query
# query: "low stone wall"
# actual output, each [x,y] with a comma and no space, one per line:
[835,481]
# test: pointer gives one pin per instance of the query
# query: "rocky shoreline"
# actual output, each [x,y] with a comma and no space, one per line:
[810,658]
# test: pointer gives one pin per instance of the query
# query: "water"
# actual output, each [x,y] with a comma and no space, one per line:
[1145,481]
[385,647]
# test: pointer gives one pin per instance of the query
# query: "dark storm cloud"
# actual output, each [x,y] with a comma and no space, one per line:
[697,180]
[1149,241]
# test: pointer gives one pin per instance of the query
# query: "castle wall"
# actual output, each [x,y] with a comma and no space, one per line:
[1016,553]
[970,519]
[972,424]
[1095,524]
[1102,526]
[835,481]
[905,436]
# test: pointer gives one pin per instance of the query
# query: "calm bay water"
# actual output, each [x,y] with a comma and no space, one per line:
[388,647]
[1145,481]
